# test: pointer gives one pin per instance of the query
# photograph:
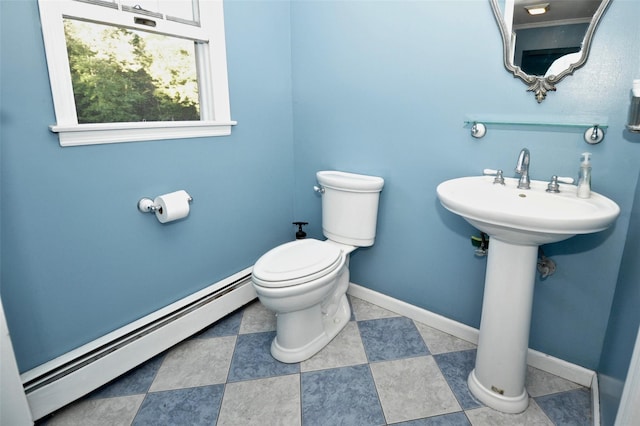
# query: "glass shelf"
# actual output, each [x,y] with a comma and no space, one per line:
[566,122]
[592,126]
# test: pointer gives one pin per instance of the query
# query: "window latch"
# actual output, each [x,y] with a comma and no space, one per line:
[144,21]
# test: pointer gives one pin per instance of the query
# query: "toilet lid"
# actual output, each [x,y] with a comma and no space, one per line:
[296,262]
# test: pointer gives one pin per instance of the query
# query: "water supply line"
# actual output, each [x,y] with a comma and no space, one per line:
[481,244]
[545,266]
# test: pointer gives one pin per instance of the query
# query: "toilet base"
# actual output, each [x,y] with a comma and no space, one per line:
[331,326]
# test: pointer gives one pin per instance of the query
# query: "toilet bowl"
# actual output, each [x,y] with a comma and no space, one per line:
[305,281]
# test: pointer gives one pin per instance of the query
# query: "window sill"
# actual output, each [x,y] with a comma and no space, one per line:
[94,134]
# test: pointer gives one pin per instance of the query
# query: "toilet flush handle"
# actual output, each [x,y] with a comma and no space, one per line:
[318,189]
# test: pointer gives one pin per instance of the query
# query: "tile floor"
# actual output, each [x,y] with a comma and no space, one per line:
[381,369]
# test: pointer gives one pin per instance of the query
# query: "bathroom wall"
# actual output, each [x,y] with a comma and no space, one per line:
[78,259]
[378,87]
[384,87]
[623,323]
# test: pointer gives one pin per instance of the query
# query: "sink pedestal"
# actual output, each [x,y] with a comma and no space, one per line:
[501,360]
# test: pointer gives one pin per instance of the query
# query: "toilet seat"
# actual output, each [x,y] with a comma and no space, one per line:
[296,263]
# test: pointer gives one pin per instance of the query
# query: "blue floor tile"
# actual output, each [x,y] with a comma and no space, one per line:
[227,326]
[134,382]
[340,396]
[391,338]
[252,359]
[188,407]
[455,367]
[567,408]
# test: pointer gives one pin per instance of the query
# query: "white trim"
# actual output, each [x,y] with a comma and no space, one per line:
[539,360]
[429,318]
[60,392]
[595,401]
[561,368]
[629,409]
[92,134]
[14,409]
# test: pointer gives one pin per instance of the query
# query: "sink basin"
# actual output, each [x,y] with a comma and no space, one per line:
[526,216]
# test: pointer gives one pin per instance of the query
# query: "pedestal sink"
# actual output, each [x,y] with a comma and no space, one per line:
[518,221]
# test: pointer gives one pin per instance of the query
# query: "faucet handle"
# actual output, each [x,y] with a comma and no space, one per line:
[499,178]
[568,180]
[553,184]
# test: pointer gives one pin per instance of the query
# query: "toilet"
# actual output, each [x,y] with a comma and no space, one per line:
[305,281]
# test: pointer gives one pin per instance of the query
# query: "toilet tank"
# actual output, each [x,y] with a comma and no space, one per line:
[349,207]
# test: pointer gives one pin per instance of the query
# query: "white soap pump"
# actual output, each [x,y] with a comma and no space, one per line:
[633,122]
[584,178]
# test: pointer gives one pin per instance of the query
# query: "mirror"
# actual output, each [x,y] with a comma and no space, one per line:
[546,40]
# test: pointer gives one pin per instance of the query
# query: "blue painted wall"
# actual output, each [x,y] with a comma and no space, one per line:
[78,259]
[623,324]
[383,87]
[373,87]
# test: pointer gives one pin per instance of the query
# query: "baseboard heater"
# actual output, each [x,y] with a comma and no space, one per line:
[58,382]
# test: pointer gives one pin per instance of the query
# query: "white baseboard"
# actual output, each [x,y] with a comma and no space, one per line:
[429,318]
[629,410]
[539,360]
[58,382]
[595,401]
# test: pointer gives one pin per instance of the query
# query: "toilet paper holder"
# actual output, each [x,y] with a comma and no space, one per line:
[147,205]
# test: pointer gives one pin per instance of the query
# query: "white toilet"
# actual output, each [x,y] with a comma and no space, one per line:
[305,281]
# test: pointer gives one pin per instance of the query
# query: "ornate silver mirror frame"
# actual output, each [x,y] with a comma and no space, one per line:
[540,85]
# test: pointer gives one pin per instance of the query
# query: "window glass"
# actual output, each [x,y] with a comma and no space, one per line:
[124,75]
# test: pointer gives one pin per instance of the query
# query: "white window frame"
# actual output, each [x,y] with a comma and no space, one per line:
[215,114]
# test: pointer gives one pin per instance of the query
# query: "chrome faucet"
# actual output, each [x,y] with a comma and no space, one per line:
[522,168]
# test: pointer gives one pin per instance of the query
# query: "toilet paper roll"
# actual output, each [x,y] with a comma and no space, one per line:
[172,206]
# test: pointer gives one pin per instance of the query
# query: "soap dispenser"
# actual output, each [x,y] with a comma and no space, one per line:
[300,234]
[584,178]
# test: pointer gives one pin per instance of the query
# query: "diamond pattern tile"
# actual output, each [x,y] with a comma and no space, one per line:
[381,369]
[385,339]
[345,395]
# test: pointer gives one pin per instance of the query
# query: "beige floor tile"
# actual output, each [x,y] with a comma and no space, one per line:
[540,382]
[533,416]
[440,342]
[99,412]
[196,362]
[345,349]
[366,311]
[412,388]
[273,401]
[256,318]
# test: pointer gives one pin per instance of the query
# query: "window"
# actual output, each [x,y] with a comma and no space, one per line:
[132,70]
